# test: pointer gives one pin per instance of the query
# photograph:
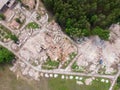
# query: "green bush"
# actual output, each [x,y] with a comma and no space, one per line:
[51,63]
[8,34]
[2,17]
[118,82]
[6,56]
[18,20]
[103,34]
[75,66]
[32,25]
[14,38]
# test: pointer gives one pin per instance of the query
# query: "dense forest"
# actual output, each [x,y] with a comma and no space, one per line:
[80,18]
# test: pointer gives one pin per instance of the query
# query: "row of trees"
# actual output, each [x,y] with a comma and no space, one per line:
[85,17]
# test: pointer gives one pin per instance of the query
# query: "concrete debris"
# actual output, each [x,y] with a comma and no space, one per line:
[88,81]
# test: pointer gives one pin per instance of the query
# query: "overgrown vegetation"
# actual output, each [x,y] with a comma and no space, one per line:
[2,16]
[50,64]
[18,20]
[117,85]
[32,25]
[71,57]
[5,55]
[118,82]
[77,68]
[19,0]
[81,18]
[14,38]
[5,33]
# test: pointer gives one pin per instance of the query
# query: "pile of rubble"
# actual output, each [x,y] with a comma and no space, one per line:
[49,42]
[17,20]
[21,68]
[98,54]
[29,3]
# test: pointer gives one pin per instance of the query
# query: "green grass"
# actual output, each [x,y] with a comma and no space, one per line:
[60,84]
[32,25]
[9,81]
[116,87]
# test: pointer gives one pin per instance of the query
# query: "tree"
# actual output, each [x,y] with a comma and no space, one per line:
[118,82]
[19,0]
[103,34]
[14,38]
[73,32]
[5,55]
[77,15]
[2,17]
[18,20]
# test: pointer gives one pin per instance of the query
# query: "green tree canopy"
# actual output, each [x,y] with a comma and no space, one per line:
[5,55]
[2,17]
[83,16]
